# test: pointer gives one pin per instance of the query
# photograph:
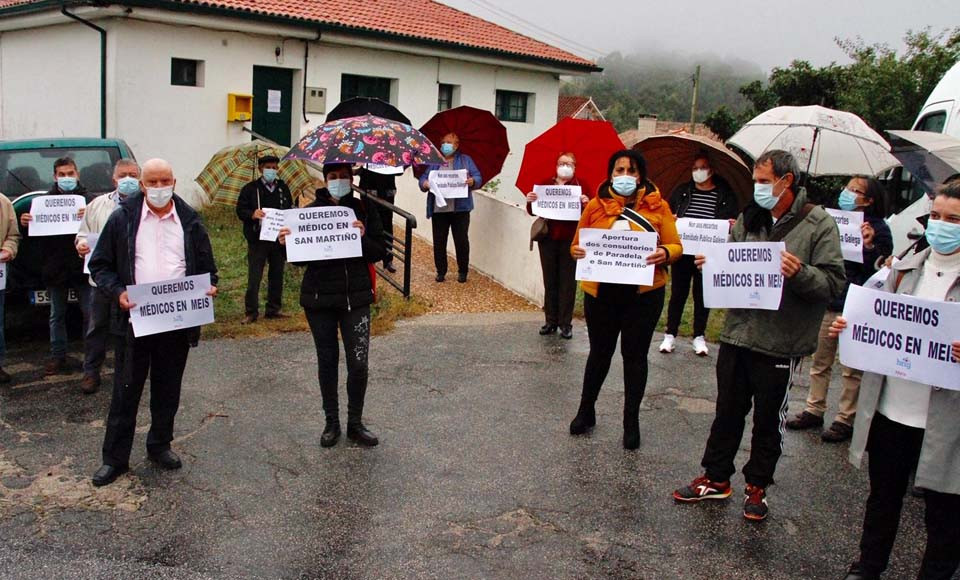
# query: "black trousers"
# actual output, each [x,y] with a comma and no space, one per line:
[747,378]
[163,357]
[618,311]
[354,326]
[682,273]
[443,223]
[894,451]
[559,281]
[258,254]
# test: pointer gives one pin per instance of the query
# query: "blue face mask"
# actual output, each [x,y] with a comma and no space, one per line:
[763,194]
[944,237]
[128,186]
[338,188]
[447,149]
[269,175]
[624,185]
[67,183]
[848,200]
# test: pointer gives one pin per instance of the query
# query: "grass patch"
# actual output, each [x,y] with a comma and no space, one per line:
[230,251]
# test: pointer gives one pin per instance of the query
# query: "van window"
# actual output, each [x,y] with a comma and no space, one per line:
[934,122]
[26,170]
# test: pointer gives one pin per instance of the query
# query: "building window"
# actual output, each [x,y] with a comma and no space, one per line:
[512,106]
[446,96]
[186,73]
[360,86]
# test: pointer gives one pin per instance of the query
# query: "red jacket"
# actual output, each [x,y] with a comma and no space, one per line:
[563,230]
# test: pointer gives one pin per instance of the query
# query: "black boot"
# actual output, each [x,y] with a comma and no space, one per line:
[631,418]
[360,435]
[331,433]
[585,420]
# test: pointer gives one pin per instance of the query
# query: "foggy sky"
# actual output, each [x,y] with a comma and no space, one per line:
[767,32]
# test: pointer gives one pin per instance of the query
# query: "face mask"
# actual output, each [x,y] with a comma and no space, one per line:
[848,200]
[701,175]
[944,237]
[338,187]
[763,194]
[159,196]
[564,171]
[67,183]
[624,185]
[128,185]
[269,175]
[447,149]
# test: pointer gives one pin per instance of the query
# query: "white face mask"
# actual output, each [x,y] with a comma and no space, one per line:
[339,188]
[564,171]
[159,196]
[701,175]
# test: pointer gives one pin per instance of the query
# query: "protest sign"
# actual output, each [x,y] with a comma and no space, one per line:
[851,238]
[92,239]
[879,278]
[385,169]
[270,224]
[901,336]
[170,305]
[743,275]
[56,215]
[696,232]
[449,183]
[619,257]
[321,233]
[3,275]
[557,202]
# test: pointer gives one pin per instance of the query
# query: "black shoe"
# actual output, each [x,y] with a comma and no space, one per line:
[440,277]
[166,459]
[462,277]
[585,420]
[804,420]
[4,376]
[361,436]
[331,434]
[90,384]
[631,436]
[837,433]
[389,267]
[856,572]
[566,332]
[548,329]
[249,319]
[107,474]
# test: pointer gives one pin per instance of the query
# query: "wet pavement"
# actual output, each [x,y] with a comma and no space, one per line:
[475,476]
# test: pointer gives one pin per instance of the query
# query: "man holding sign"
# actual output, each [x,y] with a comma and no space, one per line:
[167,242]
[761,349]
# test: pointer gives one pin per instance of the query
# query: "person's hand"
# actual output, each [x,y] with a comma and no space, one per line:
[867,231]
[956,350]
[426,185]
[125,301]
[839,324]
[470,182]
[584,200]
[699,260]
[888,262]
[531,197]
[81,211]
[212,291]
[733,222]
[789,264]
[658,257]
[359,225]
[5,256]
[282,236]
[578,252]
[83,249]
[258,214]
[25,219]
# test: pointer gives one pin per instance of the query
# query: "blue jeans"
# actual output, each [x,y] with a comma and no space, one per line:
[3,341]
[58,318]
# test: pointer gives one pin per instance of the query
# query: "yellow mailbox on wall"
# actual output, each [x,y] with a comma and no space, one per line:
[239,107]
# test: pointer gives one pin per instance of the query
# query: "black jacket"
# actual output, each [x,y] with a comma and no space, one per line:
[344,282]
[727,205]
[279,198]
[113,260]
[60,263]
[858,273]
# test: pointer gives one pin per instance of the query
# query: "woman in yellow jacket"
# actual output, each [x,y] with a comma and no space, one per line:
[628,311]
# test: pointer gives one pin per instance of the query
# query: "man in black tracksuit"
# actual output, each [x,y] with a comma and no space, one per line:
[268,191]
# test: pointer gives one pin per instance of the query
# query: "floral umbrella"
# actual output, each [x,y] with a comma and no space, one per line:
[366,139]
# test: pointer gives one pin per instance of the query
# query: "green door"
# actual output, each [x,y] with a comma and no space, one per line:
[272,103]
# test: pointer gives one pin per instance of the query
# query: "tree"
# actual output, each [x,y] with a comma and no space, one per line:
[723,122]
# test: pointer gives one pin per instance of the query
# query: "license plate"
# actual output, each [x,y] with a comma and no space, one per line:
[42,297]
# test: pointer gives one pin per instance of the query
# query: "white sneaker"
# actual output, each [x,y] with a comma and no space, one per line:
[700,346]
[667,344]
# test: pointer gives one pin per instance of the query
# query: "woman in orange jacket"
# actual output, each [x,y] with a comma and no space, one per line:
[628,311]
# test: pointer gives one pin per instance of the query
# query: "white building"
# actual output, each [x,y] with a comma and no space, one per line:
[168,66]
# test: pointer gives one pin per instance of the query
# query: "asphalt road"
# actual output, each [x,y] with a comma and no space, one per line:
[476,475]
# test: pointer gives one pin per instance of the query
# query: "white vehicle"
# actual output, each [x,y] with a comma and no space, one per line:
[940,114]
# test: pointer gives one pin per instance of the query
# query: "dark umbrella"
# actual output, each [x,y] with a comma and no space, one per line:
[366,139]
[932,158]
[359,106]
[482,137]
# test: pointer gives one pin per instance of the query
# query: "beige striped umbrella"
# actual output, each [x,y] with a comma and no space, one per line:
[233,167]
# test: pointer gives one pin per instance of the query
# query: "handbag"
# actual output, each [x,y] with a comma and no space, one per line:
[538,231]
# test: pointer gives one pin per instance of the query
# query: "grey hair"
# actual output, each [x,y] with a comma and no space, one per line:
[126,162]
[783,163]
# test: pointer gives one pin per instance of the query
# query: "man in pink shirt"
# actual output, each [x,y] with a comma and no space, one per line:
[165,239]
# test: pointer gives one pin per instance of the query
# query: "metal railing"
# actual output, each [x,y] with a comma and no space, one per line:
[404,251]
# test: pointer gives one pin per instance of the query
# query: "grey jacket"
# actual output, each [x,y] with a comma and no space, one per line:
[792,330]
[939,467]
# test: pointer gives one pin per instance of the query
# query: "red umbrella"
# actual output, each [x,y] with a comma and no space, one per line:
[482,137]
[592,142]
